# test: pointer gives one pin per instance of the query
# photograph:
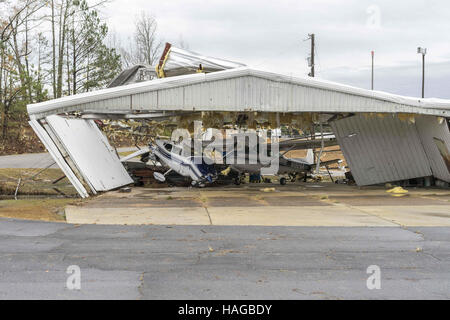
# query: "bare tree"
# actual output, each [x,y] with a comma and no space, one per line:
[49,47]
[143,47]
[20,44]
[62,13]
[87,35]
[148,46]
[15,75]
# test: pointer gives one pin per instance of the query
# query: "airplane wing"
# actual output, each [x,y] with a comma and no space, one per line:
[329,162]
[306,144]
[135,154]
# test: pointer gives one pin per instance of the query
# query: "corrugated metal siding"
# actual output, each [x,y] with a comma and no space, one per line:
[258,94]
[170,99]
[381,150]
[430,128]
[113,104]
[145,101]
[238,90]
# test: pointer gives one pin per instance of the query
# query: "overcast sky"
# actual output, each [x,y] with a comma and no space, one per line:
[270,34]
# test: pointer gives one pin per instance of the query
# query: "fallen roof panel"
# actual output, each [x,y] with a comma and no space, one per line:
[177,61]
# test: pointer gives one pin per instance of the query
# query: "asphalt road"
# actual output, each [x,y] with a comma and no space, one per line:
[25,161]
[35,160]
[219,262]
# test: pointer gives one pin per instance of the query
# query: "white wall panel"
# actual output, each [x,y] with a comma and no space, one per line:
[91,152]
[58,157]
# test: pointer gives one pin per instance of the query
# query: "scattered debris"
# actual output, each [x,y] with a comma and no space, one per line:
[17,188]
[39,186]
[226,171]
[397,190]
[268,190]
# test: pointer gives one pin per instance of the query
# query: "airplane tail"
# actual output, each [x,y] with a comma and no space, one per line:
[310,157]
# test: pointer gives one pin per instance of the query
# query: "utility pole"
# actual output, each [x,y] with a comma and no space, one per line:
[311,74]
[423,76]
[311,58]
[423,51]
[373,55]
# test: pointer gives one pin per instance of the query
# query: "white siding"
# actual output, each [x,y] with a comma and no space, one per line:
[58,157]
[90,151]
[239,90]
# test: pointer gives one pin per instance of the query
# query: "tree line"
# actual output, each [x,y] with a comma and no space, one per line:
[55,48]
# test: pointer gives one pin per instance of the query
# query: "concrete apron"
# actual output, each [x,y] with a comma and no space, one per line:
[336,215]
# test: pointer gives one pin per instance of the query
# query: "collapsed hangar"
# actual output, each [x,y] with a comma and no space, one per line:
[384,137]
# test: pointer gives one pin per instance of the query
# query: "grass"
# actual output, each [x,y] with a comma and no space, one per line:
[36,209]
[45,208]
[32,186]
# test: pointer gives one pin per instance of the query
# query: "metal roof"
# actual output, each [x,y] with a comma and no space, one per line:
[239,89]
[125,76]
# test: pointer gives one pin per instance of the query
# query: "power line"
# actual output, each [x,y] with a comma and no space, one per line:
[373,55]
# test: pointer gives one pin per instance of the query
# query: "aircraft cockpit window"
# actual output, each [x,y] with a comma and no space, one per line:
[168,147]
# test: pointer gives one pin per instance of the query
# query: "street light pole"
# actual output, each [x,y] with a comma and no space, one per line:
[311,59]
[423,76]
[373,54]
[423,52]
[313,54]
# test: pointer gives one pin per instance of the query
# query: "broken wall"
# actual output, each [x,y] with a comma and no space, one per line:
[83,153]
[387,149]
[435,137]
